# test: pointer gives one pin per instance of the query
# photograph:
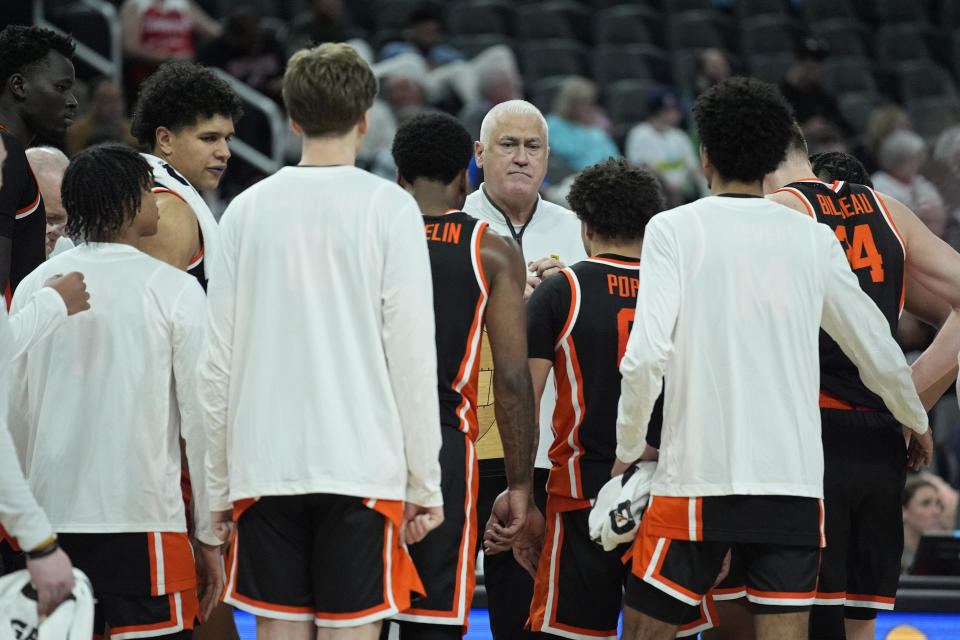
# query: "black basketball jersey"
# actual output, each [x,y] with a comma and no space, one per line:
[459,301]
[581,319]
[22,215]
[175,184]
[876,254]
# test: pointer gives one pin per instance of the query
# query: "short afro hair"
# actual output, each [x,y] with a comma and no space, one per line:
[177,95]
[744,126]
[103,189]
[616,198]
[22,48]
[433,146]
[838,165]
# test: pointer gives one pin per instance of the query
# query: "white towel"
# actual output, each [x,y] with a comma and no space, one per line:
[616,513]
[72,620]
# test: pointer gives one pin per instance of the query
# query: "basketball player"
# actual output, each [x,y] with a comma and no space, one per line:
[36,97]
[899,262]
[101,449]
[513,151]
[478,282]
[577,325]
[184,117]
[20,515]
[732,292]
[320,351]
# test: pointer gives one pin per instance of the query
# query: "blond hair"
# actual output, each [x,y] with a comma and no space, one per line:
[327,89]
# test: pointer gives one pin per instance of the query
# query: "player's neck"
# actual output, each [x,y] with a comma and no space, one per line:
[436,199]
[328,151]
[719,186]
[795,169]
[13,123]
[599,246]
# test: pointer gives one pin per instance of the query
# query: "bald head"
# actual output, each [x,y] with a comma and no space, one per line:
[48,165]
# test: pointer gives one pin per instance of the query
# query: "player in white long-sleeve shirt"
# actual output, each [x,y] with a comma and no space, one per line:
[319,375]
[20,515]
[733,291]
[98,408]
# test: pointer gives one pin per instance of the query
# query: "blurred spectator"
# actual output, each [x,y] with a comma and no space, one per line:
[712,67]
[497,80]
[661,144]
[943,170]
[422,36]
[884,120]
[48,165]
[323,21]
[248,52]
[813,105]
[105,119]
[826,139]
[901,156]
[922,511]
[574,134]
[155,31]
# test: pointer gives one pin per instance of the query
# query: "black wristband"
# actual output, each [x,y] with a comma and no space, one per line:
[43,552]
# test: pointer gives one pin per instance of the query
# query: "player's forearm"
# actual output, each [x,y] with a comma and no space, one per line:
[517,424]
[20,514]
[936,368]
[35,319]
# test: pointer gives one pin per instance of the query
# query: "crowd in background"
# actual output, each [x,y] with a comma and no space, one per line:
[596,108]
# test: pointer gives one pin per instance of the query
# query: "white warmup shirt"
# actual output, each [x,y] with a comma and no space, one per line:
[99,405]
[20,514]
[733,292]
[551,231]
[320,369]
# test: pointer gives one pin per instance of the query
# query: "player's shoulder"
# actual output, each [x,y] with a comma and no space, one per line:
[12,143]
[165,277]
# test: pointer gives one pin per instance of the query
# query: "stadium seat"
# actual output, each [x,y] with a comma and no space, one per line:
[624,62]
[554,20]
[856,108]
[750,8]
[543,92]
[896,43]
[889,11]
[769,67]
[556,57]
[627,100]
[845,36]
[846,74]
[696,30]
[393,14]
[673,7]
[923,79]
[628,25]
[480,17]
[821,10]
[471,45]
[767,34]
[930,116]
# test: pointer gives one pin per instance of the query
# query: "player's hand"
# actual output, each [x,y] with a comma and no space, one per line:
[72,289]
[545,267]
[209,578]
[507,519]
[724,570]
[223,525]
[418,522]
[919,447]
[52,577]
[532,283]
[529,544]
[619,467]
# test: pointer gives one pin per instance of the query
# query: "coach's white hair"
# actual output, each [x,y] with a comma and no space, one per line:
[510,107]
[47,160]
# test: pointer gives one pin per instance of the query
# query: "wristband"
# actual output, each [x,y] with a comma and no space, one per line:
[44,550]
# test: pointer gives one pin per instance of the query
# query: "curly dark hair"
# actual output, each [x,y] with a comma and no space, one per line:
[103,189]
[745,125]
[176,96]
[433,146]
[838,165]
[616,198]
[24,47]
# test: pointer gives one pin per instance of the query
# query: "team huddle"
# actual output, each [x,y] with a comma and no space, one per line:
[279,412]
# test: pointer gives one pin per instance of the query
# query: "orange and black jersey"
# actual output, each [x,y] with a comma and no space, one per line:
[580,320]
[22,216]
[876,253]
[459,300]
[162,185]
